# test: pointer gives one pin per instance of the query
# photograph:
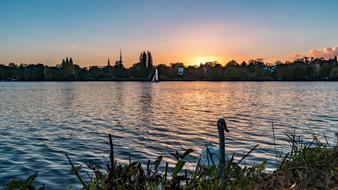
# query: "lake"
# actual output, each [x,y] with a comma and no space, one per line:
[42,121]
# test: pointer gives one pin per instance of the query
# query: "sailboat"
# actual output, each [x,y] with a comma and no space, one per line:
[155,77]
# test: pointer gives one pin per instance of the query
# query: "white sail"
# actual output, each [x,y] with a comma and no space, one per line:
[155,77]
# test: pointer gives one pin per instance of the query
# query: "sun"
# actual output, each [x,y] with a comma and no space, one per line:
[203,59]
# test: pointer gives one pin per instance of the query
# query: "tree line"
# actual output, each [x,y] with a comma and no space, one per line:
[300,69]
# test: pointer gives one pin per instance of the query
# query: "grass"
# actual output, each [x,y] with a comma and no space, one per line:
[311,165]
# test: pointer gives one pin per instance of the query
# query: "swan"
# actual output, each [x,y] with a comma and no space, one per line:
[211,155]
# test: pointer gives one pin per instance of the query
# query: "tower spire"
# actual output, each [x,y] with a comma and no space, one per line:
[120,61]
[108,62]
[121,55]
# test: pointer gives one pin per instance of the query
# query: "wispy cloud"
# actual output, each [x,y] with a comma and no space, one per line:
[74,46]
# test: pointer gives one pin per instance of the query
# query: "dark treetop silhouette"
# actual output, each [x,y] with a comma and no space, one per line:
[309,69]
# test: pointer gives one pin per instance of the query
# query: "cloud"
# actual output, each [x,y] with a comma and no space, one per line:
[325,53]
[295,56]
[74,46]
[77,47]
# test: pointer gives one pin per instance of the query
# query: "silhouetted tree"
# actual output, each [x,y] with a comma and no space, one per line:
[334,74]
[150,67]
[299,69]
[164,71]
[149,60]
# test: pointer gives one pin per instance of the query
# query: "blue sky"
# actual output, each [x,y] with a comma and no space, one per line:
[190,31]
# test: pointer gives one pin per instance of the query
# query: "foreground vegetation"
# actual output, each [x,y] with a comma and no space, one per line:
[308,69]
[311,165]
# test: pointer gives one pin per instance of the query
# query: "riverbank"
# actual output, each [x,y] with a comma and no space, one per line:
[312,165]
[302,69]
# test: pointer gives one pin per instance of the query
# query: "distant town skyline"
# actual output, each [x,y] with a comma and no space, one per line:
[190,31]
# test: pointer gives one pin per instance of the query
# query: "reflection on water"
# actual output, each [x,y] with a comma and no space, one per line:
[40,122]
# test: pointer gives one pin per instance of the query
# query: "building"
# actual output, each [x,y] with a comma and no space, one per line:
[180,71]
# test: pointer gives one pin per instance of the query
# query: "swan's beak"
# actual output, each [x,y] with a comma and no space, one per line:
[226,128]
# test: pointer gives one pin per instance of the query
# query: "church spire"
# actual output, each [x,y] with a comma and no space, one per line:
[121,56]
[108,63]
[120,61]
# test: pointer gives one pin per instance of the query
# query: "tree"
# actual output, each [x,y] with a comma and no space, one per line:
[143,64]
[150,67]
[299,69]
[144,68]
[233,63]
[232,71]
[334,74]
[173,71]
[68,70]
[149,60]
[163,71]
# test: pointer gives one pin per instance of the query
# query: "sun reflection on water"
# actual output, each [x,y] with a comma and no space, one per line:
[40,122]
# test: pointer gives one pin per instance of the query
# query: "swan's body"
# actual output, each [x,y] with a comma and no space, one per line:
[209,156]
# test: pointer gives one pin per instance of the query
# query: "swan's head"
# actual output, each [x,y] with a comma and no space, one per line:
[221,124]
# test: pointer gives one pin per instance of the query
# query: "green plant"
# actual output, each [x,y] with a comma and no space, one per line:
[26,184]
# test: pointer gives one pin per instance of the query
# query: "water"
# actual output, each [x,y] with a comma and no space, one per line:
[41,122]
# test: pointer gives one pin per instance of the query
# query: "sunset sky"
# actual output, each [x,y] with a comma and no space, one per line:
[188,31]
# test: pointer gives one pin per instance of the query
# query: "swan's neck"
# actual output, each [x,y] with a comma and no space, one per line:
[221,146]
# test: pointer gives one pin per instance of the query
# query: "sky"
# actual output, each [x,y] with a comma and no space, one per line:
[188,31]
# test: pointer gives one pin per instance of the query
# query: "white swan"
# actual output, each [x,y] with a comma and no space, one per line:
[212,156]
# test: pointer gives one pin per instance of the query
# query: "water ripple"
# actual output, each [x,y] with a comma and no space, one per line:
[41,122]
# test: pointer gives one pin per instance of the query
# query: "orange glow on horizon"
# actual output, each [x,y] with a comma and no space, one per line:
[203,59]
